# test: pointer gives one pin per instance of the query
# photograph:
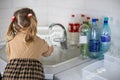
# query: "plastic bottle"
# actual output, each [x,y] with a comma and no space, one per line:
[83,40]
[76,23]
[82,19]
[94,40]
[105,39]
[71,23]
[73,30]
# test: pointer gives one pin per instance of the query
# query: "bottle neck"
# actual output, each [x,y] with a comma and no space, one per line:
[93,23]
[105,22]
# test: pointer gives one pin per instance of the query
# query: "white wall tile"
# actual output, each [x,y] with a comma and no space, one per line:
[29,3]
[6,14]
[42,15]
[21,3]
[99,5]
[110,6]
[38,3]
[4,26]
[70,4]
[57,15]
[5,4]
[5,19]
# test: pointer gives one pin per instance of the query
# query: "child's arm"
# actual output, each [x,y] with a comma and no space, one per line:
[48,50]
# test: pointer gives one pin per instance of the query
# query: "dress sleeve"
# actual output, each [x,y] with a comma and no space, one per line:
[8,50]
[47,49]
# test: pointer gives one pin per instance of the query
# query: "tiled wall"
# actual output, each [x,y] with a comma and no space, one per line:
[58,11]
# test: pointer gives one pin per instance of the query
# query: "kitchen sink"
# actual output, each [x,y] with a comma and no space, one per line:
[60,56]
[62,60]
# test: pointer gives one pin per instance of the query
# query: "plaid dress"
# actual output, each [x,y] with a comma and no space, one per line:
[23,69]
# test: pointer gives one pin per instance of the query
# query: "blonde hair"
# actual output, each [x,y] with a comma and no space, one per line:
[22,20]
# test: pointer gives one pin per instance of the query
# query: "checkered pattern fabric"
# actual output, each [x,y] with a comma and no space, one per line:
[23,69]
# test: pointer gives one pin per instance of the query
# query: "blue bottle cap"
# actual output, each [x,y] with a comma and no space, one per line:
[93,20]
[106,20]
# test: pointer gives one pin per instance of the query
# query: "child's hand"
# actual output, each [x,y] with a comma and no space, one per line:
[52,49]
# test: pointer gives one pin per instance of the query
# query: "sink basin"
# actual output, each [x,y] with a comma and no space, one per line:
[61,55]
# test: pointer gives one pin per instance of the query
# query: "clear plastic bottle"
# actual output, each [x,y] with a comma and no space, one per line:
[83,40]
[71,23]
[73,30]
[94,40]
[105,40]
[82,19]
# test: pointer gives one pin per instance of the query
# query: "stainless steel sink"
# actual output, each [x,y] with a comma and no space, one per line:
[61,55]
[61,60]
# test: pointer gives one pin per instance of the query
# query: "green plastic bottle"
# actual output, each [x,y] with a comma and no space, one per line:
[83,40]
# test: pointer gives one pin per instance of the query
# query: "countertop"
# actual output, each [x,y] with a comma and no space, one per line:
[74,73]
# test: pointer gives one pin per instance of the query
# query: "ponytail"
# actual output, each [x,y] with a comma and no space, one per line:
[32,30]
[10,33]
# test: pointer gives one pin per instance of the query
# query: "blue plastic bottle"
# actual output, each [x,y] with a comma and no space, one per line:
[105,39]
[94,40]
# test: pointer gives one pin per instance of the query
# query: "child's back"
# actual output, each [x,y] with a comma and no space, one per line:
[24,48]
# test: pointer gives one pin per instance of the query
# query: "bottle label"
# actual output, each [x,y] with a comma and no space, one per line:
[74,27]
[77,26]
[71,25]
[105,38]
[94,46]
[83,39]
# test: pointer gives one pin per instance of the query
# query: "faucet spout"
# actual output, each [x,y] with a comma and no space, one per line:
[62,41]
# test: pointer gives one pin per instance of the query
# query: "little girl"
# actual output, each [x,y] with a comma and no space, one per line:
[24,48]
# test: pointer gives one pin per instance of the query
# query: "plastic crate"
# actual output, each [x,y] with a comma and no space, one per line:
[2,66]
[100,71]
[113,58]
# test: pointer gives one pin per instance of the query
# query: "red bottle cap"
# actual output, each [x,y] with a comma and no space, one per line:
[82,15]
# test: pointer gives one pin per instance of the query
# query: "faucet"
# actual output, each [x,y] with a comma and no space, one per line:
[63,41]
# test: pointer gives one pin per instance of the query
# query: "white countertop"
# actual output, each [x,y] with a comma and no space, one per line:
[74,73]
[68,71]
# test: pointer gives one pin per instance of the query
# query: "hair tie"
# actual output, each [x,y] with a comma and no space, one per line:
[29,15]
[13,18]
